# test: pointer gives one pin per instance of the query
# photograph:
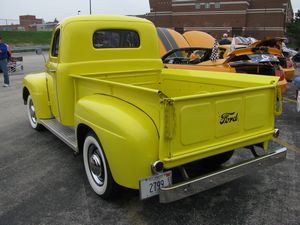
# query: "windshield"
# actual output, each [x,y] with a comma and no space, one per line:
[187,56]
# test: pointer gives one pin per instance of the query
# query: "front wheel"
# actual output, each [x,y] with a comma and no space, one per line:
[97,168]
[32,115]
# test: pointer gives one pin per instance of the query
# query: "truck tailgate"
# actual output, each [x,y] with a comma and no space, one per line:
[202,125]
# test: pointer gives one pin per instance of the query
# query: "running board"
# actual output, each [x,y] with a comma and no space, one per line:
[64,133]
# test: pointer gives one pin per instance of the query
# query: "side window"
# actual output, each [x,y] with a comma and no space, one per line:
[55,45]
[116,39]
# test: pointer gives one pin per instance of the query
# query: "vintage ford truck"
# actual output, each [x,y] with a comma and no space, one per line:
[106,94]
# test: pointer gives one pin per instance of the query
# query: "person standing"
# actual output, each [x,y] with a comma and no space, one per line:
[4,54]
[225,40]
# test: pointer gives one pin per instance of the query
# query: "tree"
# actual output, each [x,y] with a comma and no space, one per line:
[293,30]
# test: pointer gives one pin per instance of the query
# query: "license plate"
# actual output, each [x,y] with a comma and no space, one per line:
[150,186]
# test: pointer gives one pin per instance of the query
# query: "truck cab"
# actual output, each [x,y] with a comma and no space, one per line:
[106,94]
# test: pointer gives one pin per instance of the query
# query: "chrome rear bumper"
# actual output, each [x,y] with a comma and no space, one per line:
[194,186]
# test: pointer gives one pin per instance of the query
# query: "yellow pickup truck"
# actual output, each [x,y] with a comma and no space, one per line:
[107,95]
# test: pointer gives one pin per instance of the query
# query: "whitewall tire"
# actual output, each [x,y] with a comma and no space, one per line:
[97,168]
[32,114]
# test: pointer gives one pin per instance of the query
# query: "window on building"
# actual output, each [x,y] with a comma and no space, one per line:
[207,5]
[217,5]
[116,39]
[197,5]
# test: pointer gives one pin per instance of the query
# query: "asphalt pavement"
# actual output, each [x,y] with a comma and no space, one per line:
[41,182]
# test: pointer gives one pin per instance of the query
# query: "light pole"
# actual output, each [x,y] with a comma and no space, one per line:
[90,7]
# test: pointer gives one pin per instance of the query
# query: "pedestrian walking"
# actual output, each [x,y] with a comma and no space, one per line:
[4,55]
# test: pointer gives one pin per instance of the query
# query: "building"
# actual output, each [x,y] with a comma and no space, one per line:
[28,20]
[256,18]
[25,24]
[49,26]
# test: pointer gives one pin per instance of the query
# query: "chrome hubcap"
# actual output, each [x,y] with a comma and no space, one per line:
[96,166]
[32,112]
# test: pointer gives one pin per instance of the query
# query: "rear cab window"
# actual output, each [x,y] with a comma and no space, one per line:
[116,39]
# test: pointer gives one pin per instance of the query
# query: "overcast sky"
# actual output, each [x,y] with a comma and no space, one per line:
[50,9]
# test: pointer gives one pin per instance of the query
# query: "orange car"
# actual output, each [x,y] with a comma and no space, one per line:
[176,52]
[284,57]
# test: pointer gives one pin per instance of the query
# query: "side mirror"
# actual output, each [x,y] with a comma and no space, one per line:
[39,51]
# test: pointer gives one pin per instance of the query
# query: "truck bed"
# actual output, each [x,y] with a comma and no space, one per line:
[197,114]
[173,84]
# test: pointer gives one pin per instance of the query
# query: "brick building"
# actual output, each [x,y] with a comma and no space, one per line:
[28,20]
[256,18]
[25,23]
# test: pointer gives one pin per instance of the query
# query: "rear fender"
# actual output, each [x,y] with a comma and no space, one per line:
[36,86]
[128,136]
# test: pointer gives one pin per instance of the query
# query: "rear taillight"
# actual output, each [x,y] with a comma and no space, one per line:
[279,73]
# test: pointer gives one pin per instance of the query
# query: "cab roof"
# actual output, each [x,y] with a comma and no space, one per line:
[102,18]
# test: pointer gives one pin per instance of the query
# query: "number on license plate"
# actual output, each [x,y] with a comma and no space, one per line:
[150,186]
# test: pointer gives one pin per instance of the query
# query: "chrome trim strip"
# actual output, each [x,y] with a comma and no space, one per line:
[194,186]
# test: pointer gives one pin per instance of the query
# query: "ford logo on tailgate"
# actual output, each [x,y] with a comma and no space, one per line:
[229,117]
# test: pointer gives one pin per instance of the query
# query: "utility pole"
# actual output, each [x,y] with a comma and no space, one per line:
[90,7]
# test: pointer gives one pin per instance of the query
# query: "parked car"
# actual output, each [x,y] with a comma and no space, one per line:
[184,53]
[284,57]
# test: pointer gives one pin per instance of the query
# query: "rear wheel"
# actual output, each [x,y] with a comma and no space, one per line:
[97,168]
[32,115]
